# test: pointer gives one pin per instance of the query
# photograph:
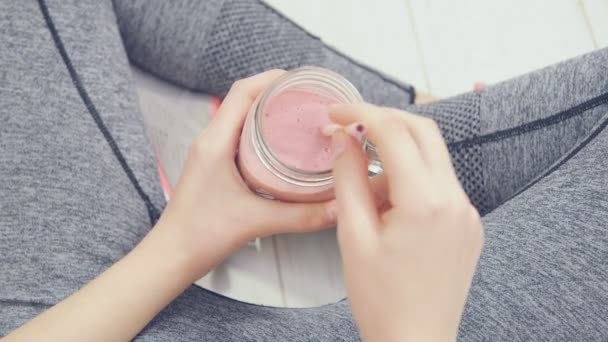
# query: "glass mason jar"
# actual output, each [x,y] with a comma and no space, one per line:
[265,171]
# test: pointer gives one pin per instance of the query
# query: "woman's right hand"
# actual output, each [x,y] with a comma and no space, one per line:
[409,266]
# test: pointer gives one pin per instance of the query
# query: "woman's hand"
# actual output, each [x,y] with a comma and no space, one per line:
[211,201]
[409,266]
[212,213]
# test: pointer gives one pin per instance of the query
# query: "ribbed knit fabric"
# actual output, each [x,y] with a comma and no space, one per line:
[459,118]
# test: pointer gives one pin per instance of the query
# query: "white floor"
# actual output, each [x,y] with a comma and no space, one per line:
[441,46]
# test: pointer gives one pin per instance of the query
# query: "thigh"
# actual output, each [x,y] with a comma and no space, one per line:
[69,208]
[543,274]
[502,137]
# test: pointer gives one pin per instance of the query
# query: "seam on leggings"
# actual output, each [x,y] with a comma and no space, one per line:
[533,125]
[483,194]
[153,212]
[598,129]
[25,303]
[405,87]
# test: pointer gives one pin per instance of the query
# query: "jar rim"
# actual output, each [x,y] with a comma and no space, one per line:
[329,79]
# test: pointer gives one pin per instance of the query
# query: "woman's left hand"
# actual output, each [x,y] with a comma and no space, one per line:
[211,201]
[211,214]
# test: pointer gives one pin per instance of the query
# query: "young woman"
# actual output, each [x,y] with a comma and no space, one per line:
[85,253]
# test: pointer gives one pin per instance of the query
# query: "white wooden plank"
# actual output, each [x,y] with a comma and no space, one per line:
[375,33]
[249,276]
[310,267]
[597,14]
[479,40]
[175,116]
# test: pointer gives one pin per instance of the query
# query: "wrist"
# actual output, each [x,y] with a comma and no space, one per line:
[171,251]
[193,248]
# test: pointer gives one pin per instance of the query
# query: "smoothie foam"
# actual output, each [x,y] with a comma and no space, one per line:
[291,127]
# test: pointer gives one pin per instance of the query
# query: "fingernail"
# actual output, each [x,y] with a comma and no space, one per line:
[356,129]
[330,129]
[338,143]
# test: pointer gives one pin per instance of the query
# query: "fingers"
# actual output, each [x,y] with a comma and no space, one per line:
[231,114]
[434,150]
[402,160]
[282,217]
[428,137]
[357,214]
[425,132]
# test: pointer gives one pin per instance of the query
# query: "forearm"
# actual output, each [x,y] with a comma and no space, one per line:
[121,301]
[207,45]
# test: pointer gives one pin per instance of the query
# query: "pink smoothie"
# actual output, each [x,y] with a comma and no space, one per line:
[291,127]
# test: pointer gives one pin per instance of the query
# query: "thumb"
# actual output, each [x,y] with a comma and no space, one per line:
[357,214]
[277,217]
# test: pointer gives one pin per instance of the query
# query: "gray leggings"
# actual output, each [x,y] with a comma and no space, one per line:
[79,187]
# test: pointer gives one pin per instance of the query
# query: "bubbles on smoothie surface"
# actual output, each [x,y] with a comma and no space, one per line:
[292,129]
